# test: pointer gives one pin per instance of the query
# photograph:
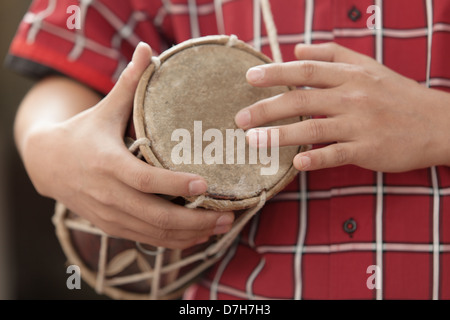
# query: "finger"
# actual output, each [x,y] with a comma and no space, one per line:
[117,223]
[290,104]
[149,179]
[309,73]
[333,155]
[121,96]
[330,52]
[312,131]
[166,243]
[123,226]
[158,211]
[166,216]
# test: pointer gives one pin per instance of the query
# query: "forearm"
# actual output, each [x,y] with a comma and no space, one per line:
[50,101]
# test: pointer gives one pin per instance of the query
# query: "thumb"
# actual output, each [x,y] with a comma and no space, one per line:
[120,99]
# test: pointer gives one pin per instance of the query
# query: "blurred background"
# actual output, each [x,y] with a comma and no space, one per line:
[32,264]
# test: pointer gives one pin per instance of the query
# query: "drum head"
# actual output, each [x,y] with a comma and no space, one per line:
[200,85]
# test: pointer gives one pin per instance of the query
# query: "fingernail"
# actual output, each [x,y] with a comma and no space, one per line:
[255,74]
[140,44]
[224,220]
[222,229]
[305,162]
[197,187]
[243,118]
[135,52]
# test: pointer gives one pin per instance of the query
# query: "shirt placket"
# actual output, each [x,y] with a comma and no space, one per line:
[353,200]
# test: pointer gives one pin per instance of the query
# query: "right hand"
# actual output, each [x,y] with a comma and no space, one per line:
[83,163]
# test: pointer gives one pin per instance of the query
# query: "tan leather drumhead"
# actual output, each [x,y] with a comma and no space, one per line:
[201,85]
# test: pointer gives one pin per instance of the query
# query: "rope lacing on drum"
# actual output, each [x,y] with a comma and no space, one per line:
[133,145]
[156,61]
[271,31]
[232,41]
[139,142]
[197,203]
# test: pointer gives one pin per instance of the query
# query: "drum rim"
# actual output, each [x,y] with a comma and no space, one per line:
[210,202]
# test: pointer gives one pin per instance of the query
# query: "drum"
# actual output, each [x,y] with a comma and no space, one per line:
[183,120]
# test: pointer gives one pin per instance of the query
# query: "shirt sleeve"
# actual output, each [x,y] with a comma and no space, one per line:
[89,41]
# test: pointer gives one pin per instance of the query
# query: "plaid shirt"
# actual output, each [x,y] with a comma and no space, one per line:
[340,233]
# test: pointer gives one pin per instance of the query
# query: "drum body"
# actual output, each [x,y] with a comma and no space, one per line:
[126,270]
[191,89]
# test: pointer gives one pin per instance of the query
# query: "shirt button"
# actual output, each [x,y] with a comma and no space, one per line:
[350,226]
[354,14]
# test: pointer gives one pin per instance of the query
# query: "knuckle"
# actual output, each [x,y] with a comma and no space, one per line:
[262,111]
[341,155]
[109,217]
[318,160]
[356,71]
[321,160]
[105,197]
[308,70]
[162,234]
[301,99]
[377,79]
[143,181]
[284,135]
[104,163]
[315,130]
[98,164]
[134,205]
[355,97]
[161,219]
[104,156]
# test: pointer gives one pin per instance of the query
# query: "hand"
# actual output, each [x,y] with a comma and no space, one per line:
[367,114]
[84,163]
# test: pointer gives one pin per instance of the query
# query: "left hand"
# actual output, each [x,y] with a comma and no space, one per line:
[370,116]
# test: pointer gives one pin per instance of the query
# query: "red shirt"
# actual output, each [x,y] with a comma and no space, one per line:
[326,233]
